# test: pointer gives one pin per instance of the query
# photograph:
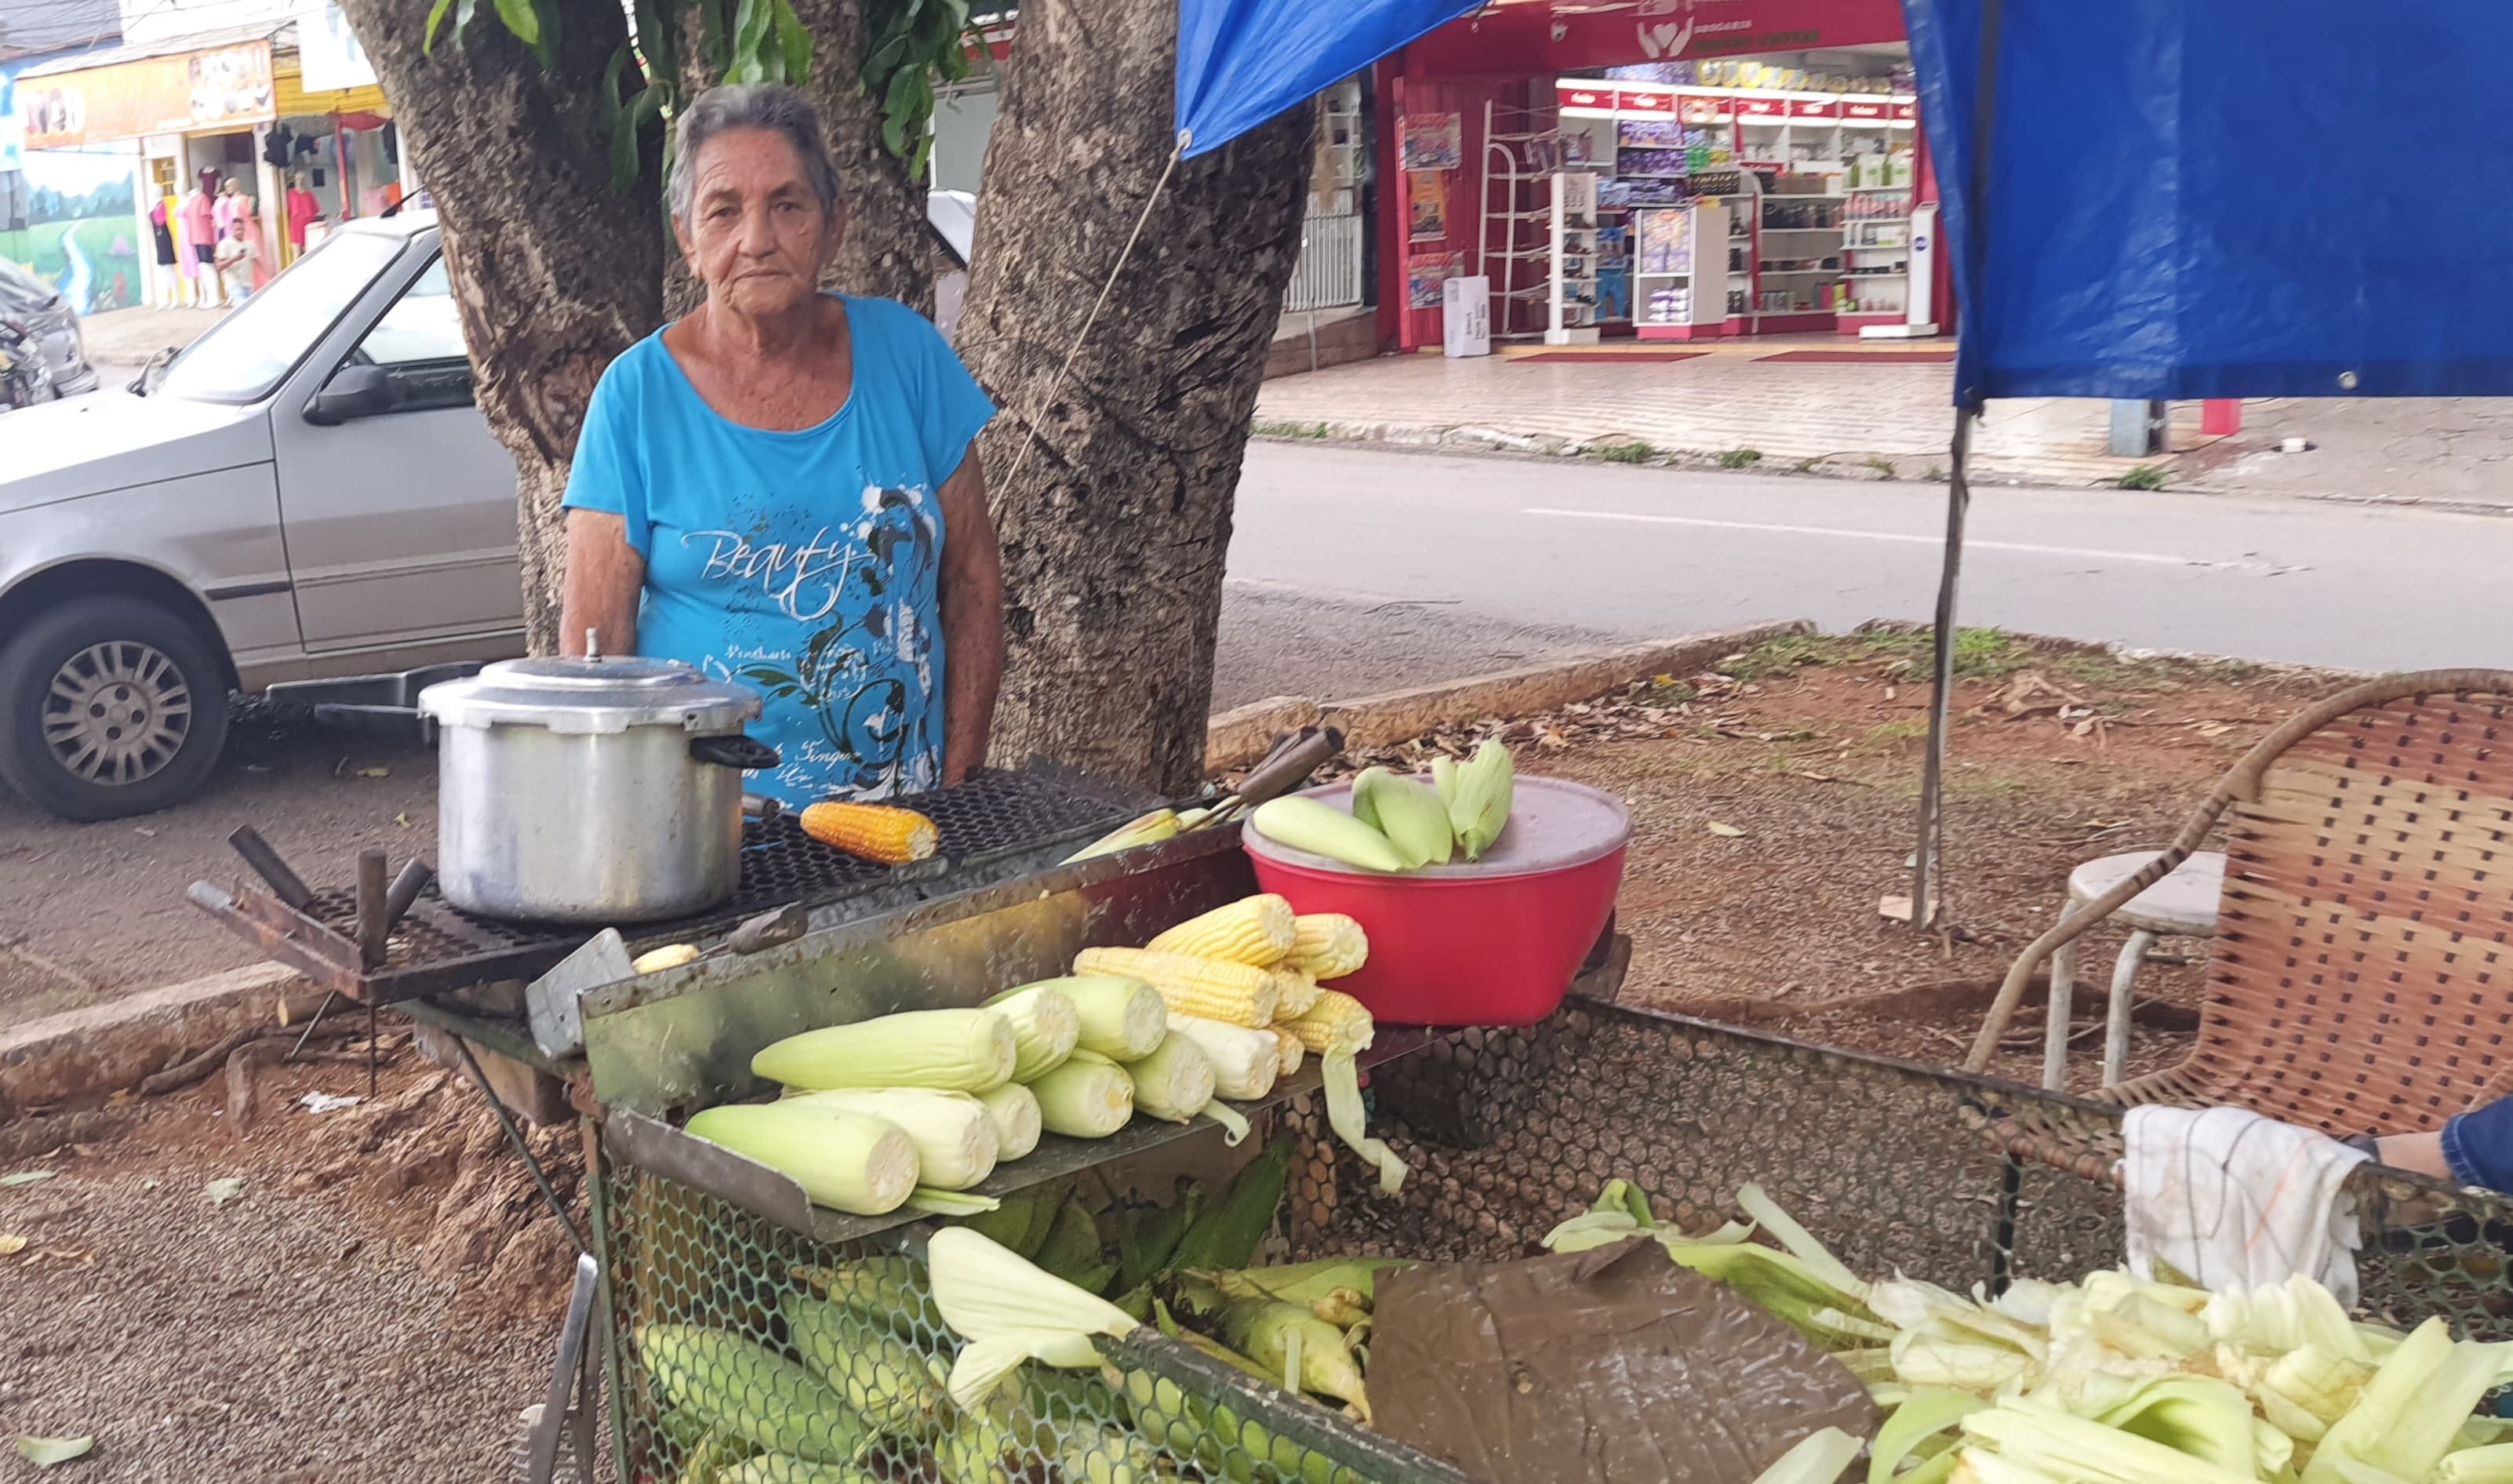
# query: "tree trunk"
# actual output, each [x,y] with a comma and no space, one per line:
[888,251]
[1116,524]
[554,271]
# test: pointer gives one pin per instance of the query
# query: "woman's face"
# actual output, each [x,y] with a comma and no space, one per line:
[755,232]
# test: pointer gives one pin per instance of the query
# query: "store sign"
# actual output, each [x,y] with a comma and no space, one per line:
[1566,35]
[188,92]
[1601,98]
[1860,110]
[1709,110]
[1760,107]
[1908,111]
[1648,102]
[1807,107]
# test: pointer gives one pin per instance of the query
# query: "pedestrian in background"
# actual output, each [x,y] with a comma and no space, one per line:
[235,260]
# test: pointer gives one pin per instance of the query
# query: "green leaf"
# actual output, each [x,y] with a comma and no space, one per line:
[611,72]
[795,41]
[45,1451]
[524,18]
[750,27]
[436,14]
[462,12]
[898,111]
[715,43]
[881,60]
[623,148]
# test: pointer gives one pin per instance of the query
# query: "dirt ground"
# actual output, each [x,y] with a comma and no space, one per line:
[380,1298]
[376,1301]
[1775,806]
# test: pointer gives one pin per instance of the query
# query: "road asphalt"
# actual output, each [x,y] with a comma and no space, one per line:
[1356,570]
[1639,552]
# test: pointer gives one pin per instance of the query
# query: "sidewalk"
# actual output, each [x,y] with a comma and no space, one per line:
[1867,414]
[130,337]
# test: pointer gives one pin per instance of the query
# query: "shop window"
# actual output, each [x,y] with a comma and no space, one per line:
[418,343]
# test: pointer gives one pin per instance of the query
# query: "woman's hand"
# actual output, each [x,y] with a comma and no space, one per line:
[973,620]
[605,575]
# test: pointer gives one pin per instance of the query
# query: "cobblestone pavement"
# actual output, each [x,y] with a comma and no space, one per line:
[1887,418]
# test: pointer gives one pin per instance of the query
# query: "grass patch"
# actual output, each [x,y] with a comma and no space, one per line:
[1937,474]
[1894,733]
[1632,451]
[2146,476]
[1882,465]
[1781,657]
[1980,654]
[1311,430]
[1740,457]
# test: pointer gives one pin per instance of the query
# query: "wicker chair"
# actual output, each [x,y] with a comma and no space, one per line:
[2362,979]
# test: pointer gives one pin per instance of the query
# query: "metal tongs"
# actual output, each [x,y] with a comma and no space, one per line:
[1293,757]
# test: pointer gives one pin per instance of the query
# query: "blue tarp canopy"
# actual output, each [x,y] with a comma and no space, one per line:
[1242,61]
[2234,198]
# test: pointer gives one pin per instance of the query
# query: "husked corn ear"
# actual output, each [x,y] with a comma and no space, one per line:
[1337,1021]
[1245,1063]
[1412,817]
[1290,1048]
[1484,786]
[1254,930]
[1294,993]
[1327,945]
[1237,994]
[882,832]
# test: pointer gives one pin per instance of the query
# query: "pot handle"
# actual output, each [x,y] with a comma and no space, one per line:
[735,750]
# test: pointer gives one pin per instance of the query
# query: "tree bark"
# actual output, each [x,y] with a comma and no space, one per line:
[888,251]
[554,271]
[1115,525]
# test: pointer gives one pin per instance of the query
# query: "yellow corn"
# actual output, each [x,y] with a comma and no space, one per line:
[1294,993]
[1327,944]
[1236,994]
[1337,1021]
[1254,930]
[880,832]
[1290,1047]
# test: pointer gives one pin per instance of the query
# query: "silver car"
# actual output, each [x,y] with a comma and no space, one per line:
[306,494]
[44,318]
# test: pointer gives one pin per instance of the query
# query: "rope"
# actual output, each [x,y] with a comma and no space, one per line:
[1074,353]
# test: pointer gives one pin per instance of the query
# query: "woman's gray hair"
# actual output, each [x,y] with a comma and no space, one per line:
[751,105]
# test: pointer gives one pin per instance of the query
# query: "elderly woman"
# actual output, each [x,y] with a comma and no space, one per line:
[782,488]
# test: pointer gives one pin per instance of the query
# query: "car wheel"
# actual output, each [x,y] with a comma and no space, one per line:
[109,706]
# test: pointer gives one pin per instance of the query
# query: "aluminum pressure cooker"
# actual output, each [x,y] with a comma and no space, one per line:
[593,791]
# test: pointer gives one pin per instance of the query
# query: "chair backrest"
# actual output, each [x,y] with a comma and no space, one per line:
[2362,974]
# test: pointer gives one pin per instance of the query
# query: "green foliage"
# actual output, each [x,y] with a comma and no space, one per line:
[910,45]
[2146,476]
[1633,452]
[1740,457]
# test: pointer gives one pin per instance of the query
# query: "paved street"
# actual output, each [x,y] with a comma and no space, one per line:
[1644,552]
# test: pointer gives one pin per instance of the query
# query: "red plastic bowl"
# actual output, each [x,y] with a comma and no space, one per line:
[1495,943]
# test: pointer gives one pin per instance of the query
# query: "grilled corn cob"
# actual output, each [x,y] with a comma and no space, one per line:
[882,832]
[1254,930]
[1238,994]
[1325,946]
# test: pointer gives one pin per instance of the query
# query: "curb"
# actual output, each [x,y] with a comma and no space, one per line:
[1236,738]
[115,1044]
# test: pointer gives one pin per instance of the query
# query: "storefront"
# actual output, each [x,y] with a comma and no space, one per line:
[194,113]
[1673,170]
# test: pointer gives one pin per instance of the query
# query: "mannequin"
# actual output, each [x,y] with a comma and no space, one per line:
[302,208]
[198,214]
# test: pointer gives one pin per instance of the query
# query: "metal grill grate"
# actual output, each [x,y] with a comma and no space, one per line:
[995,823]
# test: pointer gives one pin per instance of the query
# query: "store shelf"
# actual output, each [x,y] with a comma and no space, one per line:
[1866,191]
[1872,277]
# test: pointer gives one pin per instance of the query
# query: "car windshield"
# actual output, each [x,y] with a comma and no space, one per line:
[247,353]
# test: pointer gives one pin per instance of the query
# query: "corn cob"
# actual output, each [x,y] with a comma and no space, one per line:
[727,1382]
[885,1381]
[784,1468]
[1174,1083]
[1015,1111]
[1089,1097]
[1325,946]
[1294,992]
[956,1146]
[851,1161]
[1479,809]
[1263,1330]
[1045,1026]
[1237,994]
[1335,1022]
[1244,1061]
[1288,1048]
[959,1051]
[882,832]
[1410,814]
[669,956]
[1322,829]
[1254,930]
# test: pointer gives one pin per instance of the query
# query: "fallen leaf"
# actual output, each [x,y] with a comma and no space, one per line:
[1725,832]
[374,773]
[11,1244]
[150,1184]
[26,1177]
[222,1192]
[402,819]
[45,1451]
[2214,729]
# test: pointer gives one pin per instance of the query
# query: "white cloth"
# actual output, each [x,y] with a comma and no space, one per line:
[2229,1198]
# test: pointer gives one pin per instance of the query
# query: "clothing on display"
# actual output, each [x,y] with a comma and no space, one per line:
[162,234]
[302,208]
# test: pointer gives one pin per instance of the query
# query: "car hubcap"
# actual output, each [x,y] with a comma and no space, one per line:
[117,712]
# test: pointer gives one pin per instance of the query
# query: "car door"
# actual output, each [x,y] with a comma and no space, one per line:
[398,506]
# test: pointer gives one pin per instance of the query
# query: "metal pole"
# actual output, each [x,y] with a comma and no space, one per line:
[1924,873]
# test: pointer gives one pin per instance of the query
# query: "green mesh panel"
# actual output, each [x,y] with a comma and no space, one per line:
[730,1340]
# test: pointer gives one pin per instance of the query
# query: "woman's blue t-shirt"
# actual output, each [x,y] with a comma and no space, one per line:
[806,564]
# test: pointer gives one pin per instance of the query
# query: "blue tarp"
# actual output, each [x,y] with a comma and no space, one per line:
[2226,199]
[1242,61]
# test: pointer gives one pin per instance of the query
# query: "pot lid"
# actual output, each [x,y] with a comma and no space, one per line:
[1554,824]
[609,693]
